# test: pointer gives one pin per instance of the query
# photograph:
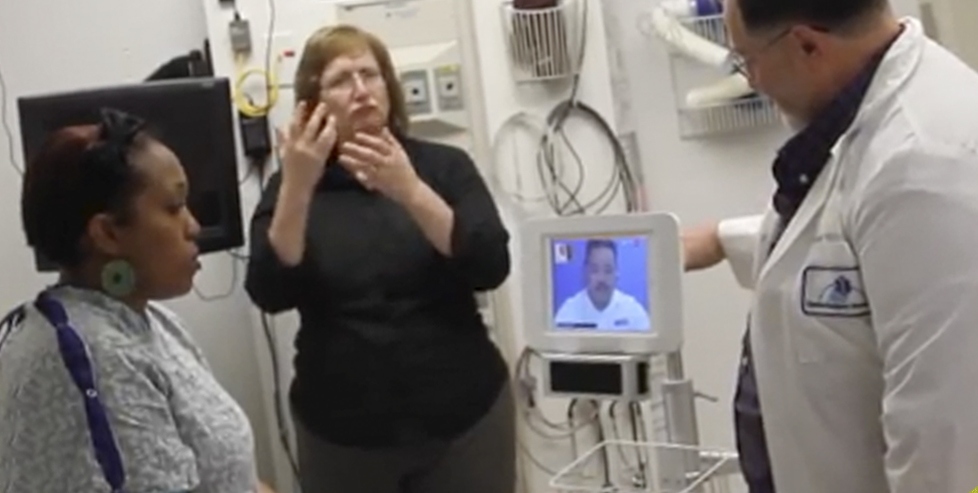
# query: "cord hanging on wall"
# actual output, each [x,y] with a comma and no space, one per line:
[561,171]
[542,40]
[711,97]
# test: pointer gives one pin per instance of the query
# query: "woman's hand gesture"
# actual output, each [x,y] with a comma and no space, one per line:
[305,146]
[380,163]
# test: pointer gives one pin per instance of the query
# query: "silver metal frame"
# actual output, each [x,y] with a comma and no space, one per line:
[679,465]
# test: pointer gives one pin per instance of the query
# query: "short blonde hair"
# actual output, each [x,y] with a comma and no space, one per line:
[330,43]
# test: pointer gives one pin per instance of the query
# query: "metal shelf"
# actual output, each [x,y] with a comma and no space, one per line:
[711,118]
[543,44]
[639,467]
[744,114]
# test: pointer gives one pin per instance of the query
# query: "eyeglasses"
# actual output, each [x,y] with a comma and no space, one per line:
[346,82]
[740,61]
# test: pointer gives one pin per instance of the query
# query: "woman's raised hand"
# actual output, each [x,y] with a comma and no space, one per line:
[306,145]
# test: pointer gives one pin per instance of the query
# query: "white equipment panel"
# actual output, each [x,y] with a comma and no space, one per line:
[422,36]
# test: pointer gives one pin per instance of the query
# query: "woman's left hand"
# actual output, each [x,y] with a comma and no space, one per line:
[380,163]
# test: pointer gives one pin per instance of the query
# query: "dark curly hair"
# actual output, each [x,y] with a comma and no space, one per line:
[80,171]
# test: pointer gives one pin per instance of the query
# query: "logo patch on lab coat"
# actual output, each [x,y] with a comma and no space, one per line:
[833,292]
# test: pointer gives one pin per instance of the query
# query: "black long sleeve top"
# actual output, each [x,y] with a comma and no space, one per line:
[391,346]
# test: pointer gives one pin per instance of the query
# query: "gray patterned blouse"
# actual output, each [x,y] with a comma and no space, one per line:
[175,427]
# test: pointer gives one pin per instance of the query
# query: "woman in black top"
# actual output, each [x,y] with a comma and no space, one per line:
[380,241]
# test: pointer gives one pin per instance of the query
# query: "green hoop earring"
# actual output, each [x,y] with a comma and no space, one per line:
[118,278]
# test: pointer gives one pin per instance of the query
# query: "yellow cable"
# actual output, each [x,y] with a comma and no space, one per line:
[246,106]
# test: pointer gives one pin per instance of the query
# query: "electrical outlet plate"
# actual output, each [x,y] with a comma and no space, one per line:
[448,81]
[415,91]
[417,95]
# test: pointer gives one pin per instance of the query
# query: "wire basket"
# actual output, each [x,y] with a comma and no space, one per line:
[543,43]
[691,73]
[710,27]
[747,113]
[618,466]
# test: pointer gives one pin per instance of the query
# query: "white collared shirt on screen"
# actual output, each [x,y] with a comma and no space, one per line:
[623,313]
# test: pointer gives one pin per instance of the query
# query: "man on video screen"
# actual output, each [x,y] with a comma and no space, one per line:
[601,305]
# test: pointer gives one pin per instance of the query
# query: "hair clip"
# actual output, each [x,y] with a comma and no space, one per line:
[117,130]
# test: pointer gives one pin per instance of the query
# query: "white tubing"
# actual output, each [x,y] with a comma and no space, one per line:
[724,90]
[686,41]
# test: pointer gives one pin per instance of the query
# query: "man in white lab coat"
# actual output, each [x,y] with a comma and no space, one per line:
[600,305]
[863,332]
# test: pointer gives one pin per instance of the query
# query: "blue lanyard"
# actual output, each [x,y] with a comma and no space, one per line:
[79,365]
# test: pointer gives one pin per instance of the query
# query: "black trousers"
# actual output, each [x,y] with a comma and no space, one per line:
[482,460]
[751,440]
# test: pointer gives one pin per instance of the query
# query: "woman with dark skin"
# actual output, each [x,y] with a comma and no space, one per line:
[102,388]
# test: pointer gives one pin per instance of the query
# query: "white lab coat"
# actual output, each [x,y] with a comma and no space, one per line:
[865,316]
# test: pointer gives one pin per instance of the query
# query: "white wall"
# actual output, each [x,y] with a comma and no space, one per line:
[955,26]
[101,43]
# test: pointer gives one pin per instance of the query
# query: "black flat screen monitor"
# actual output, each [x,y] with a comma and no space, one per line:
[193,117]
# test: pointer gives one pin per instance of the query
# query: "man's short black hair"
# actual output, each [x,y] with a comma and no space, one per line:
[593,245]
[826,14]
